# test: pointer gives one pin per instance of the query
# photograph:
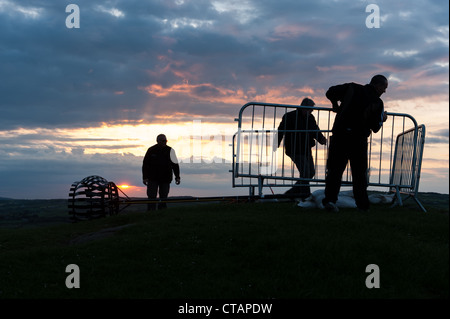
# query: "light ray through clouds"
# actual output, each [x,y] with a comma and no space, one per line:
[79,102]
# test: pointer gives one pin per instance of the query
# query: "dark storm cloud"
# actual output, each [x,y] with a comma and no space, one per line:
[59,77]
[63,77]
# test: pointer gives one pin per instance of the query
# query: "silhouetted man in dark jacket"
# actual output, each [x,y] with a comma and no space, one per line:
[360,111]
[159,163]
[298,144]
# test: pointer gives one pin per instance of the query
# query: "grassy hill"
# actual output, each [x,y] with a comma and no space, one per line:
[226,250]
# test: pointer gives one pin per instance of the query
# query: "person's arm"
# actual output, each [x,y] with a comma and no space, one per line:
[319,137]
[378,118]
[145,167]
[337,94]
[175,166]
[280,132]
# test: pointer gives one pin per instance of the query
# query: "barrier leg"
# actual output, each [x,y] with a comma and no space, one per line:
[251,191]
[420,204]
[260,185]
[397,201]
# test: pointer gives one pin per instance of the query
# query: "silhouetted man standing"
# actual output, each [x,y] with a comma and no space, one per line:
[159,163]
[360,111]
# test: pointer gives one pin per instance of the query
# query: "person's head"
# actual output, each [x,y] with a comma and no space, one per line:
[161,139]
[380,83]
[307,102]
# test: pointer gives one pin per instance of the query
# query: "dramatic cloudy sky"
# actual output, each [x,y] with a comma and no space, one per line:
[87,101]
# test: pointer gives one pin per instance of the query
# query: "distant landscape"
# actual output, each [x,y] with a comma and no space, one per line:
[31,213]
[18,213]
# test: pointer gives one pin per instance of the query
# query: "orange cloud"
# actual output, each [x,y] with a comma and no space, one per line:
[289,31]
[203,91]
[209,92]
[336,68]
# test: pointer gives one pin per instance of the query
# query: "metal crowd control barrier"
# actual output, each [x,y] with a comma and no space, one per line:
[394,153]
[407,163]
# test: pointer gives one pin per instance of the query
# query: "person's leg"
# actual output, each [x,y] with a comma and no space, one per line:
[306,169]
[358,163]
[336,164]
[294,190]
[164,189]
[152,190]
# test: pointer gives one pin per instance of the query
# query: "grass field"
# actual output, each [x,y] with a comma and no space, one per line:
[226,250]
